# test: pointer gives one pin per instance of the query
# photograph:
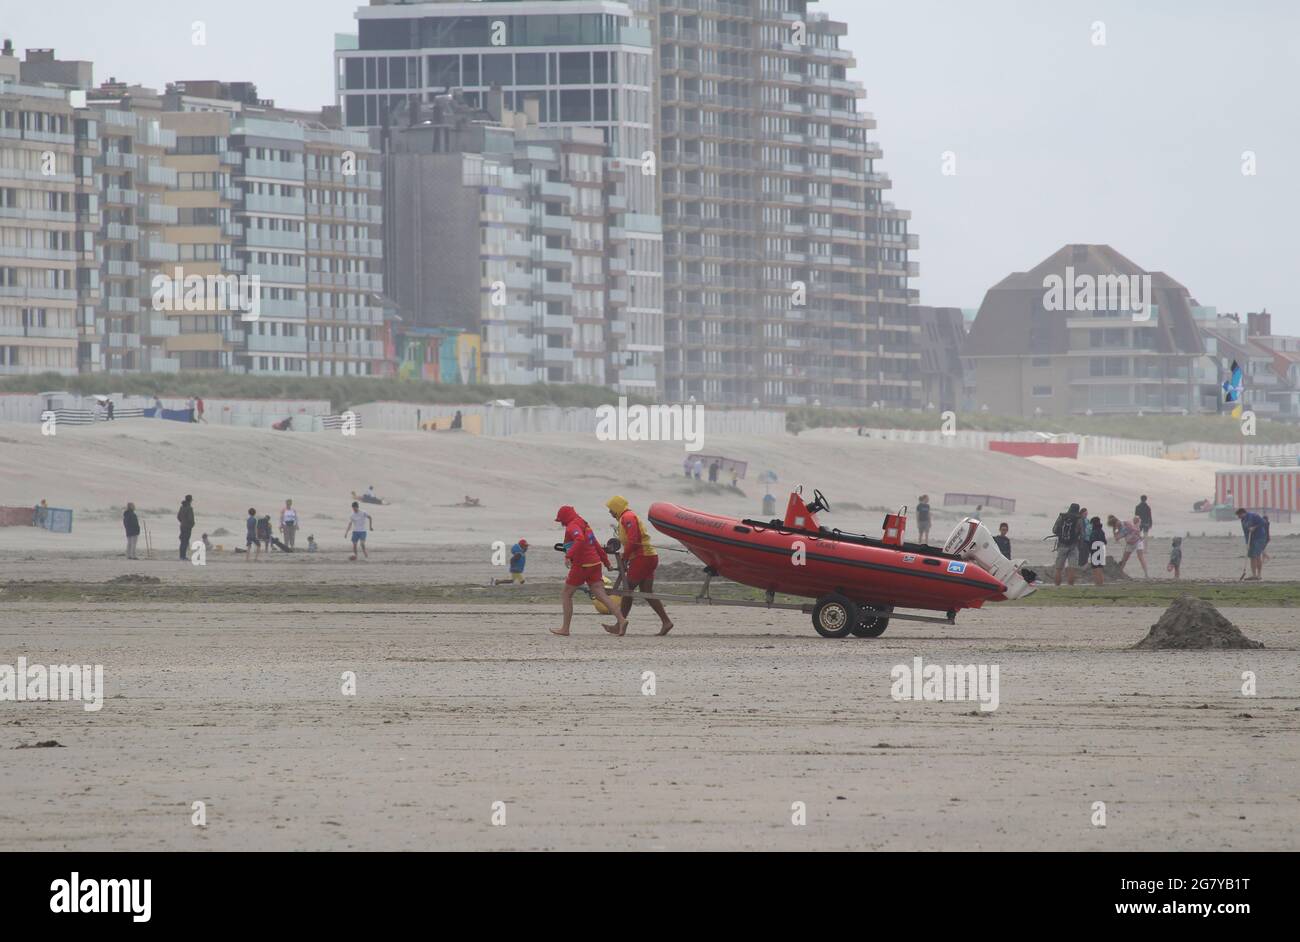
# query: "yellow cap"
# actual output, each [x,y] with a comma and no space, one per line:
[617,504]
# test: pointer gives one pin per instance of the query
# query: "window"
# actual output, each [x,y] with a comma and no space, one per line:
[530,68]
[1042,392]
[444,71]
[1040,362]
[498,69]
[575,68]
[575,105]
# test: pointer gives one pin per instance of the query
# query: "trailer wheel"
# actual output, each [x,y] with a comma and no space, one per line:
[872,626]
[834,616]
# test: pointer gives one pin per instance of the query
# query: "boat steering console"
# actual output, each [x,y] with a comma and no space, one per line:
[818,503]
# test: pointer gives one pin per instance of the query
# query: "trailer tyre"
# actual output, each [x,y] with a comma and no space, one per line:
[834,616]
[872,626]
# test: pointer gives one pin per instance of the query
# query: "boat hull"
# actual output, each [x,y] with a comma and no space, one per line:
[778,560]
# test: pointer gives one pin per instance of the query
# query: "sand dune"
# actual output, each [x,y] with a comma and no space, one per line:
[522,480]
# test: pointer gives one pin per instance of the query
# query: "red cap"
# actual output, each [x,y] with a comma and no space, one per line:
[565,514]
[524,544]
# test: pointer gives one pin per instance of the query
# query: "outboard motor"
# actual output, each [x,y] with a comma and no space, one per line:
[971,540]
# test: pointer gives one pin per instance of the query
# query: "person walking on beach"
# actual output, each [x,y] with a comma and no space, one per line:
[1256,535]
[288,523]
[185,516]
[109,407]
[252,542]
[1097,552]
[584,556]
[1175,556]
[923,518]
[1085,540]
[359,524]
[1143,512]
[687,462]
[1066,531]
[131,524]
[198,404]
[640,561]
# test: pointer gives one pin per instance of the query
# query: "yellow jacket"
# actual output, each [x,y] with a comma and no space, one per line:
[631,531]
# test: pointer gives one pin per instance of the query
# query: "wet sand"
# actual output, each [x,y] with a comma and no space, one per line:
[458,707]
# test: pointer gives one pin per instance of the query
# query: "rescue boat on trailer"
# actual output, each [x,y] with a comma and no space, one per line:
[856,580]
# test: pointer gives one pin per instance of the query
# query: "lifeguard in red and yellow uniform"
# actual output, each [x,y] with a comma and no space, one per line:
[584,556]
[641,561]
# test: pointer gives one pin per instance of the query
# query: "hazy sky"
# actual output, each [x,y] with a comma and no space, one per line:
[1137,143]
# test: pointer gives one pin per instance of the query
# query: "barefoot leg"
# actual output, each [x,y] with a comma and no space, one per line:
[566,603]
[598,590]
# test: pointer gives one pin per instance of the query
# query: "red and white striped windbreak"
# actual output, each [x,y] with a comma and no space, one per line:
[1265,489]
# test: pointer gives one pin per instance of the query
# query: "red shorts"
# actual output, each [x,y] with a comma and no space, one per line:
[583,575]
[640,569]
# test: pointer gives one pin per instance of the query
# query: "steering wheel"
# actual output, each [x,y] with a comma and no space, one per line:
[820,500]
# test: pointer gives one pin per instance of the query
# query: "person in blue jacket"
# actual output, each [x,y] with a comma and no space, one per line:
[1255,530]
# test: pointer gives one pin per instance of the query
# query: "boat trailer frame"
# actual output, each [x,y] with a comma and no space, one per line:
[704,598]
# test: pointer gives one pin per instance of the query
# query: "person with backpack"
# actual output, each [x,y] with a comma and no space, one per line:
[1085,540]
[1066,530]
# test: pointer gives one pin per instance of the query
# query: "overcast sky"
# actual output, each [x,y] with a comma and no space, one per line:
[1137,143]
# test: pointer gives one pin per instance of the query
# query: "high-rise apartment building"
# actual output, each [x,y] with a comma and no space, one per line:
[303,218]
[124,189]
[527,211]
[43,253]
[575,64]
[786,272]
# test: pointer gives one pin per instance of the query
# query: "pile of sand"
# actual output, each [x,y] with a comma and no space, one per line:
[680,572]
[135,579]
[1194,624]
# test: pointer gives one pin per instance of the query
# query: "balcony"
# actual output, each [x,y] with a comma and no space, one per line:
[290,274]
[117,196]
[258,343]
[122,232]
[122,269]
[555,289]
[159,251]
[274,239]
[556,355]
[158,213]
[276,205]
[118,305]
[119,160]
[274,169]
[156,175]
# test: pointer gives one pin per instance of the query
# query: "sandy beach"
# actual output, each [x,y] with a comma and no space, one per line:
[224,683]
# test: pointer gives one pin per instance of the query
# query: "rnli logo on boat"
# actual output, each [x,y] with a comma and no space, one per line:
[909,559]
[957,567]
